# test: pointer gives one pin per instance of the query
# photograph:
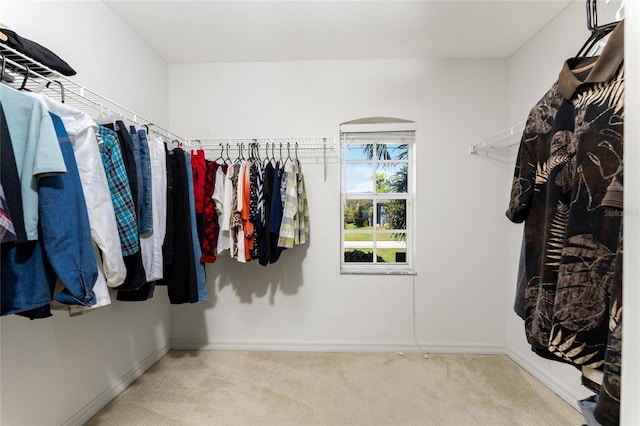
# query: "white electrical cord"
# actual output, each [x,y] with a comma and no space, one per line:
[415,336]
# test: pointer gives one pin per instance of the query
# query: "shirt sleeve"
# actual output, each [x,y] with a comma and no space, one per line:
[524,178]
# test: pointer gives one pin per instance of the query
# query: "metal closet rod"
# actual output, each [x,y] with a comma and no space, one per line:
[316,143]
[69,90]
[303,142]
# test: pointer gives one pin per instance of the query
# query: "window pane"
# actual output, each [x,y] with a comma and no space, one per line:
[358,255]
[391,214]
[355,151]
[393,255]
[358,178]
[391,177]
[358,246]
[398,151]
[358,214]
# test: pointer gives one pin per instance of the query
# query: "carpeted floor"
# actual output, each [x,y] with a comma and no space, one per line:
[294,388]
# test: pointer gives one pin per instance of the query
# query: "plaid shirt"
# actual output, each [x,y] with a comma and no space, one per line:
[120,191]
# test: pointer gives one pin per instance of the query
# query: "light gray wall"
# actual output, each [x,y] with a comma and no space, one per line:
[303,301]
[53,368]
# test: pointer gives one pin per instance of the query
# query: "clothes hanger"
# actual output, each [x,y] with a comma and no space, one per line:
[27,72]
[251,156]
[598,32]
[288,154]
[221,156]
[105,117]
[273,155]
[240,156]
[256,152]
[266,153]
[228,160]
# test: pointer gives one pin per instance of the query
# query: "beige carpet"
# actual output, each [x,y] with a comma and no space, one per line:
[293,388]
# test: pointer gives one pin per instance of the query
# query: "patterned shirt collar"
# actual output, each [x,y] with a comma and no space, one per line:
[603,69]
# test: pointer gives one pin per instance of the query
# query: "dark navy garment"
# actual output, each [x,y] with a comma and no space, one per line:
[264,243]
[275,218]
[179,263]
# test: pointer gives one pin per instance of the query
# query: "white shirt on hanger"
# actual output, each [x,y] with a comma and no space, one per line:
[151,244]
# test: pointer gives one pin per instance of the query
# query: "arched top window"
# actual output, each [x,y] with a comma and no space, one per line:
[377,190]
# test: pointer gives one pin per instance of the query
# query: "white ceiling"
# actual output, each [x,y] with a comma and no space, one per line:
[231,31]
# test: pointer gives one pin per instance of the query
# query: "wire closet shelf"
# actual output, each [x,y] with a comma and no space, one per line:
[502,146]
[30,75]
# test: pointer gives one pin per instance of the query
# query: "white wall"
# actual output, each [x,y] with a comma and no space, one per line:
[57,368]
[303,301]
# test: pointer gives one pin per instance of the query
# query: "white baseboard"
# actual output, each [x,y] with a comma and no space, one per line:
[546,379]
[334,346]
[100,401]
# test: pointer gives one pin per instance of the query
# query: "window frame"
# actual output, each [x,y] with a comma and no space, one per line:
[380,126]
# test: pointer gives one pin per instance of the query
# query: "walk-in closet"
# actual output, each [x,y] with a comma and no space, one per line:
[320,212]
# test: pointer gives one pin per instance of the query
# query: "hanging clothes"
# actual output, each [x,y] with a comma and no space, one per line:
[265,245]
[68,244]
[179,271]
[249,205]
[223,195]
[35,148]
[197,252]
[27,276]
[199,169]
[143,164]
[64,250]
[255,189]
[289,227]
[104,229]
[569,155]
[120,190]
[211,228]
[151,245]
[136,276]
[235,227]
[275,217]
[302,236]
